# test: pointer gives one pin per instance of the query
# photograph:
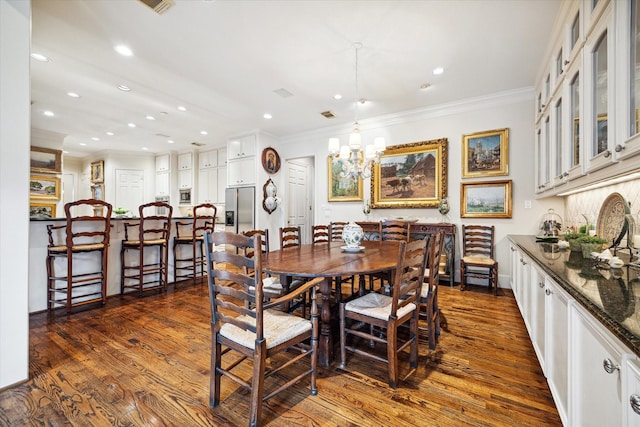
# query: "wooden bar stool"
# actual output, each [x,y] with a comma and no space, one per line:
[153,232]
[83,234]
[191,234]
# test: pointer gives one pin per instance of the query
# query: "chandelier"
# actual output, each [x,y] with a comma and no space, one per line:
[352,160]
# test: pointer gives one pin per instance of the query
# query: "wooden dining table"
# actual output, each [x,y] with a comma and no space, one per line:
[330,260]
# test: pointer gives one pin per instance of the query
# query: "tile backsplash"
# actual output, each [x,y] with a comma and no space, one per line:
[589,202]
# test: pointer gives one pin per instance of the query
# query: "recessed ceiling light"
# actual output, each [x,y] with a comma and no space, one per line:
[267,116]
[73,94]
[65,152]
[40,57]
[337,97]
[131,125]
[204,132]
[123,50]
[145,148]
[95,138]
[181,108]
[124,88]
[149,117]
[170,141]
[48,113]
[110,133]
[83,144]
[437,71]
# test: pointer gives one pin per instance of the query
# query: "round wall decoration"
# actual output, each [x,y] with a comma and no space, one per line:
[270,160]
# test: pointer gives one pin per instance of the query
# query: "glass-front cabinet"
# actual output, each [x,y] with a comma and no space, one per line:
[587,101]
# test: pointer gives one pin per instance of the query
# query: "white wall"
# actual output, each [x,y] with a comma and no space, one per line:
[14,198]
[513,110]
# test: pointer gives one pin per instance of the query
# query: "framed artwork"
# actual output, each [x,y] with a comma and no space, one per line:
[491,199]
[342,189]
[44,187]
[46,160]
[270,160]
[97,192]
[97,171]
[485,153]
[411,175]
[42,210]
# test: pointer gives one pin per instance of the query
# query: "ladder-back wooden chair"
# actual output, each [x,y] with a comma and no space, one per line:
[336,228]
[428,307]
[191,235]
[289,237]
[320,234]
[477,259]
[254,334]
[82,234]
[387,312]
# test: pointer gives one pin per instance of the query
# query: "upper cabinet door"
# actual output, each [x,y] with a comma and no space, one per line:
[163,163]
[208,159]
[242,147]
[185,161]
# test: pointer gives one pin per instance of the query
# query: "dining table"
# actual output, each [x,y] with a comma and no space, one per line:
[330,260]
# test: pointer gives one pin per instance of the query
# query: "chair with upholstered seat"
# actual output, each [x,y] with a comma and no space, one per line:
[191,235]
[360,317]
[153,231]
[244,324]
[428,307]
[477,259]
[81,236]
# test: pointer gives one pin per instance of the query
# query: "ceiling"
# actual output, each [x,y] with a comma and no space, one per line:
[224,61]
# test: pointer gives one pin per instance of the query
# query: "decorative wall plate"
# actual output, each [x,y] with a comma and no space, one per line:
[612,223]
[270,160]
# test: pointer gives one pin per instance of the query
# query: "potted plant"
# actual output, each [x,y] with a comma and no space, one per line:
[591,244]
[572,238]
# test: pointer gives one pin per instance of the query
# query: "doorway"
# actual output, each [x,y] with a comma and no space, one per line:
[300,195]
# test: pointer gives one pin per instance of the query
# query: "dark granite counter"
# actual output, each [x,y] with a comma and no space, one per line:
[612,296]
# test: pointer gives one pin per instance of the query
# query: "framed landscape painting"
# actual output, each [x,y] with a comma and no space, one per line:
[44,187]
[411,175]
[42,210]
[485,153]
[490,199]
[342,189]
[45,160]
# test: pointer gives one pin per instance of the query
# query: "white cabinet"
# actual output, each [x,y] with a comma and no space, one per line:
[222,183]
[185,161]
[163,163]
[244,146]
[212,176]
[557,348]
[631,394]
[241,172]
[523,268]
[596,377]
[207,188]
[185,179]
[537,314]
[208,159]
[222,157]
[163,184]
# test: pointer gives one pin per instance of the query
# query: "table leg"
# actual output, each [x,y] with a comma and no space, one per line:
[325,353]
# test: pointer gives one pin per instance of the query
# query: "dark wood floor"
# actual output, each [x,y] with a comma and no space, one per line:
[145,361]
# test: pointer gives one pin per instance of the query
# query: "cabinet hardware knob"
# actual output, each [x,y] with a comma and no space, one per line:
[541,284]
[513,249]
[566,62]
[619,148]
[566,174]
[634,401]
[548,292]
[609,366]
[607,153]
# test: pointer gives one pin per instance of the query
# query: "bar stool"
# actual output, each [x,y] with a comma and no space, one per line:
[191,234]
[153,232]
[83,234]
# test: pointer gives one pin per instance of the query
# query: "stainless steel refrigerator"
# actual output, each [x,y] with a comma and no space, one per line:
[239,204]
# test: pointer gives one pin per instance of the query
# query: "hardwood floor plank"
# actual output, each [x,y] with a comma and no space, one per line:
[145,361]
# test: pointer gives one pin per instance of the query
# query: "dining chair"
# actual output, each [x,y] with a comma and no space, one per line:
[320,234]
[258,333]
[191,235]
[478,259]
[428,304]
[336,230]
[153,231]
[271,284]
[80,236]
[395,230]
[372,229]
[290,236]
[388,313]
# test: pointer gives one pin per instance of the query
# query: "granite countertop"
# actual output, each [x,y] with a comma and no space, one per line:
[611,295]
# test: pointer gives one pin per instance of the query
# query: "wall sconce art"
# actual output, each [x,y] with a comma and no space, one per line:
[270,200]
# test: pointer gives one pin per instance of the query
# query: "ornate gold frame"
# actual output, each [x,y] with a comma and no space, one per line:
[412,179]
[469,140]
[482,197]
[55,195]
[50,206]
[45,160]
[332,193]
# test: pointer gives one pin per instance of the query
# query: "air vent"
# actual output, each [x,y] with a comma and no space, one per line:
[328,114]
[162,135]
[198,144]
[159,6]
[283,93]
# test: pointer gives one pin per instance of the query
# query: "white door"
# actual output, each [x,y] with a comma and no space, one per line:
[299,195]
[129,189]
